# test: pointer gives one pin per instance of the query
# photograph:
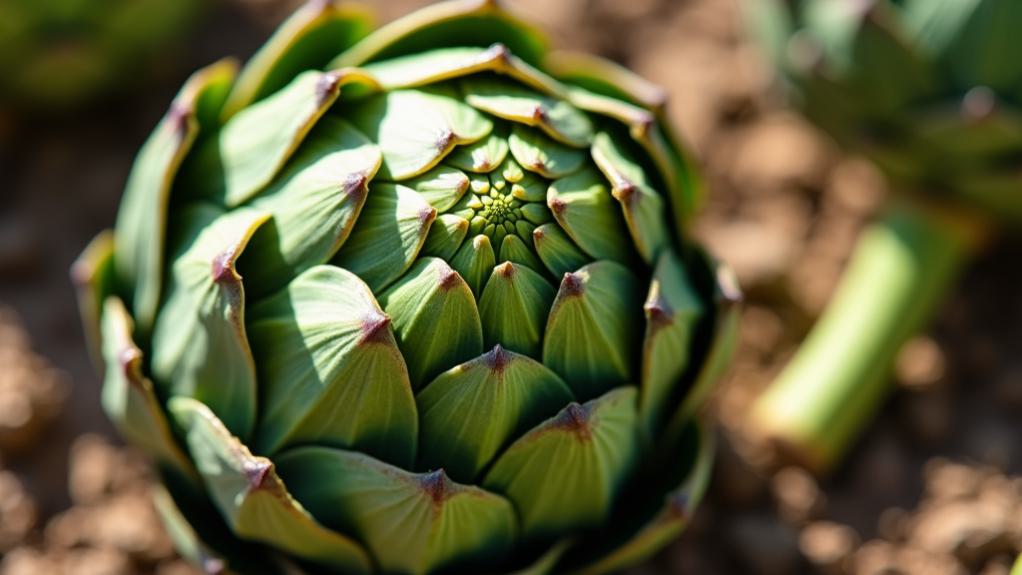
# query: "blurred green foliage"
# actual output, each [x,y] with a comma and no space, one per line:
[60,54]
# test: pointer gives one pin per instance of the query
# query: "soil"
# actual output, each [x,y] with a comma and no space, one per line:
[933,488]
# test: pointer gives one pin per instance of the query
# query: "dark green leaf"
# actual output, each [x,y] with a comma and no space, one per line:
[673,310]
[413,523]
[472,411]
[514,307]
[559,254]
[435,319]
[565,475]
[307,40]
[252,498]
[330,371]
[591,334]
[387,236]
[314,203]
[474,261]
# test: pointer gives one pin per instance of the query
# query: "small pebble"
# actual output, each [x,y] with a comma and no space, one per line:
[828,545]
[921,363]
[799,498]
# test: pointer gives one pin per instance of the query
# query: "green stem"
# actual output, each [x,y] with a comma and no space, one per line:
[837,380]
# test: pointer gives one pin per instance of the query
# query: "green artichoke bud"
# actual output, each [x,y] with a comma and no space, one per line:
[413,300]
[929,89]
[62,53]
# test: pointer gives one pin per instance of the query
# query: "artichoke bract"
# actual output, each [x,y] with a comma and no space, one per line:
[931,91]
[413,301]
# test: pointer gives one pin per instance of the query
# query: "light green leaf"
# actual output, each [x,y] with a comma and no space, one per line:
[584,208]
[202,537]
[643,207]
[591,333]
[514,308]
[565,474]
[528,187]
[442,187]
[253,146]
[660,144]
[416,129]
[473,410]
[92,274]
[307,40]
[129,398]
[314,203]
[673,310]
[447,24]
[445,236]
[434,522]
[252,498]
[474,261]
[512,101]
[388,235]
[330,371]
[606,77]
[514,249]
[200,349]
[142,219]
[435,319]
[559,254]
[423,68]
[481,157]
[537,153]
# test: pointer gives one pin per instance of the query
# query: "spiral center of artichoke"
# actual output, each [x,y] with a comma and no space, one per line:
[500,204]
[505,202]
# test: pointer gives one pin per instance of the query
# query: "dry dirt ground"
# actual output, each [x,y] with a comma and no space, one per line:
[933,489]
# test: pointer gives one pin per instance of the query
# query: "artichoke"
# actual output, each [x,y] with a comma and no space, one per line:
[931,91]
[410,301]
[61,53]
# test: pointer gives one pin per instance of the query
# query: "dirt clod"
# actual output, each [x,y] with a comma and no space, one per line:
[32,391]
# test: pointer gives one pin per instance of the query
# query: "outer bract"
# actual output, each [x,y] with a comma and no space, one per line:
[412,301]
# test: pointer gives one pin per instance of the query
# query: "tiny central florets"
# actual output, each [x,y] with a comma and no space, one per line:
[499,206]
[497,199]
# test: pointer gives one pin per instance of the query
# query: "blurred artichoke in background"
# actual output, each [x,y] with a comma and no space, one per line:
[58,54]
[434,307]
[931,90]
